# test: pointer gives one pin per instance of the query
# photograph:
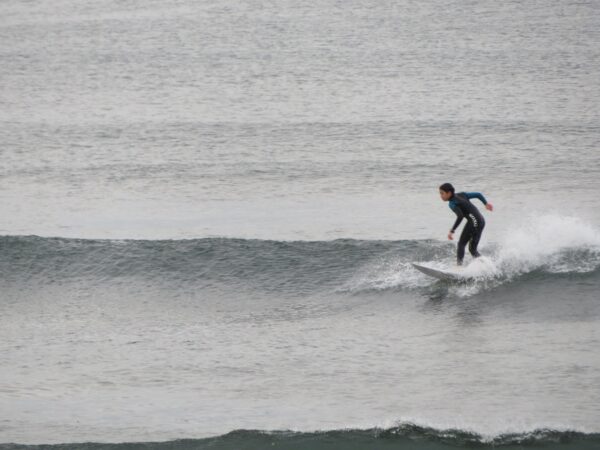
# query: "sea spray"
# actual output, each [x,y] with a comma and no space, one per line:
[549,242]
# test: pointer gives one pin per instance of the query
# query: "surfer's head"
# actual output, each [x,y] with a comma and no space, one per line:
[446,191]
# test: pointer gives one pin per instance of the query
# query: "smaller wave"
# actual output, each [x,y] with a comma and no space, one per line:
[403,436]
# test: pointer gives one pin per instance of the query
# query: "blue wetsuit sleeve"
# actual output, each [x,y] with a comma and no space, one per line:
[478,195]
[459,217]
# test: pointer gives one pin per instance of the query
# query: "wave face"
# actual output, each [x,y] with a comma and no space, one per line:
[268,265]
[405,436]
[550,248]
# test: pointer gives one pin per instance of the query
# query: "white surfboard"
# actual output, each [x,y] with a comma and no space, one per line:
[447,275]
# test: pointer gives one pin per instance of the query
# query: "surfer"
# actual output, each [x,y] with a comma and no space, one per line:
[463,208]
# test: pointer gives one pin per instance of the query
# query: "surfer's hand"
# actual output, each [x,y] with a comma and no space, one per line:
[489,206]
[451,235]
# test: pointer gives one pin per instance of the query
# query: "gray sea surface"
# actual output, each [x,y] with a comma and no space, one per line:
[237,190]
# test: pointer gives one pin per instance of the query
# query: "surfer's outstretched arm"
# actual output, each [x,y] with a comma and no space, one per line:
[479,195]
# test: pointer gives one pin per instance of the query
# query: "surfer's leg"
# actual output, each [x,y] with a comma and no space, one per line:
[474,242]
[465,237]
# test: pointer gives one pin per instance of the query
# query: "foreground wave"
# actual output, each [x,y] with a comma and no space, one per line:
[405,436]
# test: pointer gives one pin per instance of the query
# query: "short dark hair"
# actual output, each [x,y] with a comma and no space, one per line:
[447,187]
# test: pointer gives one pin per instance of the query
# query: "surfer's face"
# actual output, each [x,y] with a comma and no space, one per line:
[445,195]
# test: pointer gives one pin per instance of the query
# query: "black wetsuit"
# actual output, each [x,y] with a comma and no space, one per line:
[471,234]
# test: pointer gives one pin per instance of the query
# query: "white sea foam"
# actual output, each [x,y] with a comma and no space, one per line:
[549,242]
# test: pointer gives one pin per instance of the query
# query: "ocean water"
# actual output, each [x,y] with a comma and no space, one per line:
[209,211]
